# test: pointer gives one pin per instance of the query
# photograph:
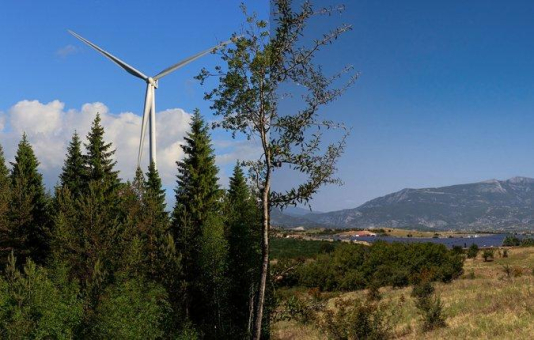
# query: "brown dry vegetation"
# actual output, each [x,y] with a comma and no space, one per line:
[488,305]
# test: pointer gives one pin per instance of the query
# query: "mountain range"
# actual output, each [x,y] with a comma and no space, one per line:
[490,205]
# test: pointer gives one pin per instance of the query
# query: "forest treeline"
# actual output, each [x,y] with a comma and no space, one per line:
[104,259]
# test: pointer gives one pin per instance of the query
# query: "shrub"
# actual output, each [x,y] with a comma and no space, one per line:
[471,275]
[36,303]
[352,267]
[188,333]
[431,310]
[327,247]
[133,309]
[422,290]
[295,308]
[373,293]
[504,253]
[472,252]
[507,271]
[458,250]
[429,306]
[354,319]
[517,271]
[511,241]
[488,255]
[284,272]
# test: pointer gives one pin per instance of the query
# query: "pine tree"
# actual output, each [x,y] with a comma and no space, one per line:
[100,218]
[197,208]
[88,227]
[165,263]
[134,226]
[150,251]
[156,195]
[99,164]
[98,230]
[73,169]
[146,225]
[28,208]
[244,257]
[5,194]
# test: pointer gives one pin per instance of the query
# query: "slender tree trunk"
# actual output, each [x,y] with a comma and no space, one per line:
[265,257]
[252,296]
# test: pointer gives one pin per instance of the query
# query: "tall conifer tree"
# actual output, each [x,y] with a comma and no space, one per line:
[198,229]
[156,194]
[29,219]
[72,175]
[5,193]
[87,228]
[244,257]
[99,163]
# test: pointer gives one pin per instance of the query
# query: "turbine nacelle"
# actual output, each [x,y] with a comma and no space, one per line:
[152,82]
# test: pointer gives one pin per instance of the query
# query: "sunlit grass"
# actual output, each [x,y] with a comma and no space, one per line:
[488,306]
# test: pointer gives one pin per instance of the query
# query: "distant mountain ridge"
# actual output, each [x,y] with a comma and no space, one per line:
[488,205]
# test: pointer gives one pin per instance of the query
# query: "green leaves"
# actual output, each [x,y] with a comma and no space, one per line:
[38,303]
[133,309]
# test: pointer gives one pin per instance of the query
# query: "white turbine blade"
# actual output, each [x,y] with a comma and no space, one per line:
[116,60]
[188,60]
[146,113]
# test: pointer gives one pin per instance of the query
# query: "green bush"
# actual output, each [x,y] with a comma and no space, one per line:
[472,252]
[458,250]
[429,306]
[36,303]
[298,309]
[422,290]
[132,309]
[290,248]
[488,255]
[352,267]
[511,241]
[355,319]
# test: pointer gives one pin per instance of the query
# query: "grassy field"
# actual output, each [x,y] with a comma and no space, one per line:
[483,304]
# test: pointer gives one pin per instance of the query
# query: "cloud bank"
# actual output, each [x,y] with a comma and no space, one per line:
[49,127]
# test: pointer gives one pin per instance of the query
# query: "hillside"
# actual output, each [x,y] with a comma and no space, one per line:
[483,304]
[489,205]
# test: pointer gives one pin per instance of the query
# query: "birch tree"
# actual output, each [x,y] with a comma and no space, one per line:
[256,69]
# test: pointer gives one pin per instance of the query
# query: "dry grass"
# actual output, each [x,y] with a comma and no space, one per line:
[488,306]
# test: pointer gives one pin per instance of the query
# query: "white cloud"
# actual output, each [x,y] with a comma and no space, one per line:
[67,50]
[36,117]
[2,121]
[49,127]
[237,151]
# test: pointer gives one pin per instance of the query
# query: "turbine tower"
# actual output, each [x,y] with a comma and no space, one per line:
[149,112]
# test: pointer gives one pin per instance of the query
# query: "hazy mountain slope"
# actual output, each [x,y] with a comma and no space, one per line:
[486,205]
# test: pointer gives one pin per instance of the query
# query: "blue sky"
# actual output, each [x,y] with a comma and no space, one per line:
[446,92]
[446,95]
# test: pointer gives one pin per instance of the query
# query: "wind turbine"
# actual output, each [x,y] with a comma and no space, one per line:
[151,86]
